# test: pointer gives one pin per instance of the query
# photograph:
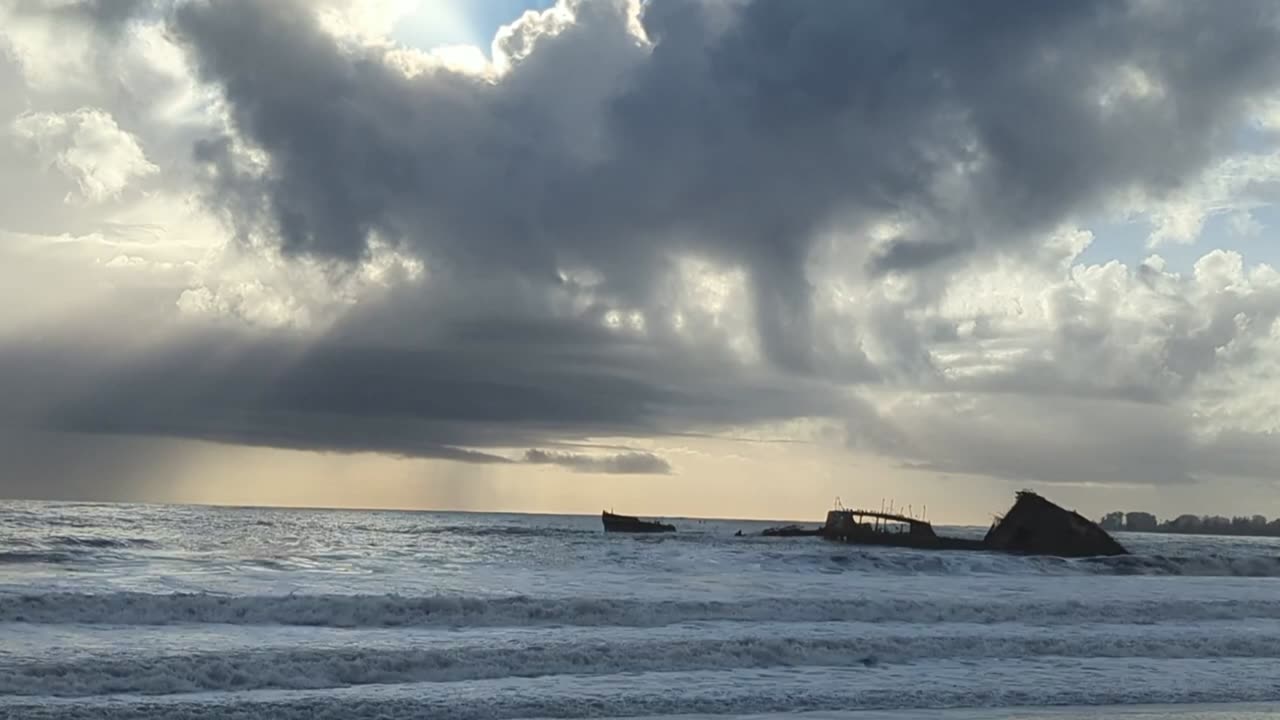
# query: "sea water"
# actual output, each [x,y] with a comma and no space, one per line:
[142,611]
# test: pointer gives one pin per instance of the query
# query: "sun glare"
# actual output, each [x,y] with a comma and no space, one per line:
[428,24]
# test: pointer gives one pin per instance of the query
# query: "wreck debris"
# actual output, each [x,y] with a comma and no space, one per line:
[1032,526]
[869,527]
[629,524]
[1036,526]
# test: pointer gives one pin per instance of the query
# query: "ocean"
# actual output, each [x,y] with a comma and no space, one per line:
[147,611]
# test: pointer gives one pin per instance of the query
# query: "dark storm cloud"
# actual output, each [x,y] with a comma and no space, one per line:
[347,397]
[627,463]
[737,136]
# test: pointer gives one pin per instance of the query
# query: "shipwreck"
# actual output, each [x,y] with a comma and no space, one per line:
[629,524]
[868,527]
[1036,526]
[1033,526]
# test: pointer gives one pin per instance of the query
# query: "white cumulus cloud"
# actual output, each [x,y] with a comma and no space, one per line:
[89,147]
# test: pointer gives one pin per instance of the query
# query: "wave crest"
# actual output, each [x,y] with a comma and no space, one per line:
[353,611]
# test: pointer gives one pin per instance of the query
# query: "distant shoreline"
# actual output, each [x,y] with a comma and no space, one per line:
[1215,525]
[1208,533]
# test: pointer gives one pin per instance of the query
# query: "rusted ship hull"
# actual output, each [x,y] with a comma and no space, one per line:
[629,524]
[888,530]
[1033,526]
[905,540]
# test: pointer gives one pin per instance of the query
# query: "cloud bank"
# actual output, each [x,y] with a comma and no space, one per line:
[629,463]
[639,221]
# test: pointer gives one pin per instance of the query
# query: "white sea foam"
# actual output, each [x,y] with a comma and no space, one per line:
[303,669]
[350,611]
[113,611]
[927,684]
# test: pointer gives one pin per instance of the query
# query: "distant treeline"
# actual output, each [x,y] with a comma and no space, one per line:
[1192,524]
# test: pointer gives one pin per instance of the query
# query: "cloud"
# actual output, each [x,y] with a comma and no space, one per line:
[1235,186]
[453,401]
[673,139]
[105,14]
[1068,372]
[627,463]
[632,220]
[89,147]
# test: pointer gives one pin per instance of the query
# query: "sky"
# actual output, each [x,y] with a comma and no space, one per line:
[719,258]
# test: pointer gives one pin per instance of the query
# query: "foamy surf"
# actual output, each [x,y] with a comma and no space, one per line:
[374,611]
[609,654]
[147,612]
[723,693]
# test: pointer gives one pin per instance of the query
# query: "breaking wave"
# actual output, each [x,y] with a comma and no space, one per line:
[26,557]
[489,608]
[706,694]
[65,549]
[910,562]
[490,531]
[313,669]
[374,611]
[72,541]
[1211,565]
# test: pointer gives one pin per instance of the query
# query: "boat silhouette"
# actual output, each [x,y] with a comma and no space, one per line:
[629,524]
